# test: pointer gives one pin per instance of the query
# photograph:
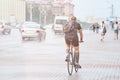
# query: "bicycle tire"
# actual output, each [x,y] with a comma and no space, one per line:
[75,67]
[70,64]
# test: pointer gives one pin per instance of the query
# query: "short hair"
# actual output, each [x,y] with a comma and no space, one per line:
[73,18]
[116,22]
[103,22]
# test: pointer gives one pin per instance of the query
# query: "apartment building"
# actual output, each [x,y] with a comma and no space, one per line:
[12,10]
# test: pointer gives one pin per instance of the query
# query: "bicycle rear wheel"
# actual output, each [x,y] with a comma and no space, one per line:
[70,64]
[75,67]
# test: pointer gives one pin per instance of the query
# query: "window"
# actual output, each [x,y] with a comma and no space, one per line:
[61,22]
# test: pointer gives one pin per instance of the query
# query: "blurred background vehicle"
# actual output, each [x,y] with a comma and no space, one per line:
[59,22]
[5,27]
[32,30]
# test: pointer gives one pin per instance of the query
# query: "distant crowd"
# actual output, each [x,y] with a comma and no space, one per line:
[113,25]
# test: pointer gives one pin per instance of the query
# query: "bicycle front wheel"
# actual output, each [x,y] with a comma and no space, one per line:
[70,64]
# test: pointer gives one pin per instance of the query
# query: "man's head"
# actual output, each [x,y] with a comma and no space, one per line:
[73,19]
[116,22]
[102,22]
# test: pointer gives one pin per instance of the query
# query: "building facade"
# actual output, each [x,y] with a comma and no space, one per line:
[12,10]
[46,10]
[63,7]
[68,9]
[15,10]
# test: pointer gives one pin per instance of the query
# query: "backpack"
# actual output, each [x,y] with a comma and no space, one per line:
[67,28]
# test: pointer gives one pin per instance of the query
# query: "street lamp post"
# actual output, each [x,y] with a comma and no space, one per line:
[112,8]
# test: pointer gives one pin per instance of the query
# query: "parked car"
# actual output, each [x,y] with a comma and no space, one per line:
[5,27]
[32,30]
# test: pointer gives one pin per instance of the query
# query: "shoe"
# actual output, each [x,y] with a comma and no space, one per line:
[67,58]
[78,65]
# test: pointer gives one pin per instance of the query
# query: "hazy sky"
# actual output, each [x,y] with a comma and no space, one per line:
[97,8]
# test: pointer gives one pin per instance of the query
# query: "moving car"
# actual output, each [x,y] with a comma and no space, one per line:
[32,30]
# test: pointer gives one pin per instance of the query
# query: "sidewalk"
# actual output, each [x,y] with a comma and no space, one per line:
[100,60]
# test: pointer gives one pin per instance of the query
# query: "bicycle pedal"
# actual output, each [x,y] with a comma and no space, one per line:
[67,60]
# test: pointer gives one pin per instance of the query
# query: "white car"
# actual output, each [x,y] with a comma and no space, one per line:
[5,27]
[32,30]
[59,23]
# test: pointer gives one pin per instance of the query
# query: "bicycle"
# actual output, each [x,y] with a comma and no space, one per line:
[71,60]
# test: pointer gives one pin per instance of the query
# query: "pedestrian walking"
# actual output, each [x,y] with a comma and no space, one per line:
[116,30]
[103,30]
[93,27]
[97,27]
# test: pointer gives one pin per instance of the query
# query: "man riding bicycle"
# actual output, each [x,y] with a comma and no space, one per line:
[72,37]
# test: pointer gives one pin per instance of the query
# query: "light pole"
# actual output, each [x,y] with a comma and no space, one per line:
[112,8]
